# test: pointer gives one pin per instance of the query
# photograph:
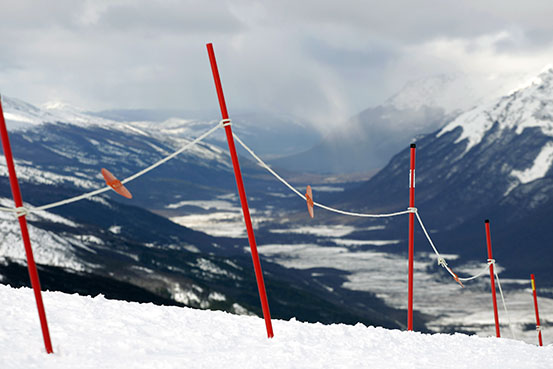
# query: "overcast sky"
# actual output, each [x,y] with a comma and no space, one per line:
[321,60]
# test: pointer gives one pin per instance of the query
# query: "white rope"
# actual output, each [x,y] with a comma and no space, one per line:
[24,211]
[490,262]
[442,262]
[70,200]
[179,151]
[504,305]
[21,211]
[9,210]
[293,189]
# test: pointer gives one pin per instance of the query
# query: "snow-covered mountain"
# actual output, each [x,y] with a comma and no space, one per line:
[95,332]
[270,134]
[493,161]
[20,115]
[456,92]
[368,140]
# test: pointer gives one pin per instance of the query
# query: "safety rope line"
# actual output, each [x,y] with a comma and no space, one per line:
[22,211]
[504,305]
[441,260]
[293,189]
[490,262]
[443,263]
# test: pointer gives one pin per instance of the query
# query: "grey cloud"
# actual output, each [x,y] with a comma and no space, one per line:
[399,21]
[183,17]
[310,58]
[532,39]
[374,55]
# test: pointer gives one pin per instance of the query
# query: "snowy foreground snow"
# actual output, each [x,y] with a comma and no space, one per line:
[98,333]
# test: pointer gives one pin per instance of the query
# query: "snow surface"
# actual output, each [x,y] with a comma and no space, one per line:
[337,230]
[454,91]
[95,333]
[21,115]
[539,168]
[48,247]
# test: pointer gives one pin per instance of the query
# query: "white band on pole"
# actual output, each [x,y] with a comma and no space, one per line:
[411,178]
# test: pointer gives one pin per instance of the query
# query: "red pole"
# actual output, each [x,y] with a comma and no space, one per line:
[242,194]
[16,192]
[538,326]
[492,277]
[411,239]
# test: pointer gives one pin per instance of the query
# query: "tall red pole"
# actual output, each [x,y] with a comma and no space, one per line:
[242,194]
[411,239]
[492,277]
[16,192]
[538,326]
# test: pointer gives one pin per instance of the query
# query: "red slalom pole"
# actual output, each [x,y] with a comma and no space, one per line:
[242,193]
[492,277]
[538,326]
[411,239]
[16,192]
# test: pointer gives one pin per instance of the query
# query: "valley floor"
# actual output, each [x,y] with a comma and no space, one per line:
[450,307]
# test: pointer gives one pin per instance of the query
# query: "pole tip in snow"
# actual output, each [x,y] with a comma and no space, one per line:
[487,221]
[413,145]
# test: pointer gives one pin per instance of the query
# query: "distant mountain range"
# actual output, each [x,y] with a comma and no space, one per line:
[491,162]
[368,140]
[270,134]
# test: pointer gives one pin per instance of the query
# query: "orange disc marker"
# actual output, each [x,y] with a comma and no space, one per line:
[115,184]
[309,199]
[457,279]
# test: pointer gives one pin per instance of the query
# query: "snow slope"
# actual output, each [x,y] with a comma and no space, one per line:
[98,333]
[21,115]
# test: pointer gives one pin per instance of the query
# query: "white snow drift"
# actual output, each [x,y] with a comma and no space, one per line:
[98,333]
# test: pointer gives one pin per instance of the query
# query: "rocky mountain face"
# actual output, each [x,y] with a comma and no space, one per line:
[491,162]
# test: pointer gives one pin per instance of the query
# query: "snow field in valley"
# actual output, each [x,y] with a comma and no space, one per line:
[435,292]
[98,333]
[385,274]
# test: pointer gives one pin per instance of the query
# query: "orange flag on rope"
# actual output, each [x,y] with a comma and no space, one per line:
[309,199]
[115,184]
[457,280]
